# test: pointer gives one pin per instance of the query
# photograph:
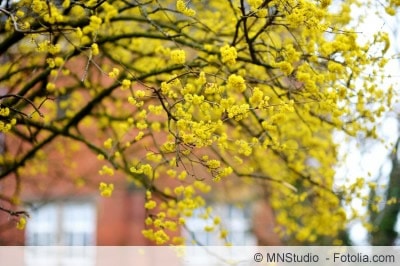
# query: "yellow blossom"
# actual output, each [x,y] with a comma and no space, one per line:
[106,189]
[151,204]
[228,54]
[95,49]
[108,143]
[4,111]
[126,84]
[50,86]
[178,56]
[237,83]
[21,223]
[181,7]
[114,73]
[106,170]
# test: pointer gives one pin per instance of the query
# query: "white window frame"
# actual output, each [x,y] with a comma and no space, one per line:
[62,223]
[236,220]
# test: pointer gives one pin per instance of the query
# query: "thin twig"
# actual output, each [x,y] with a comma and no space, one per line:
[25,99]
[14,213]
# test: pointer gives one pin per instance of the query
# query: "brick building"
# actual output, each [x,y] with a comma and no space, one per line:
[66,208]
[63,212]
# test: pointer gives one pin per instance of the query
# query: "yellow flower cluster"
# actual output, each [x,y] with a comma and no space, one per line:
[6,126]
[213,164]
[21,223]
[255,3]
[178,56]
[106,190]
[238,112]
[306,13]
[228,55]
[95,49]
[106,170]
[392,6]
[285,67]
[258,99]
[94,25]
[159,236]
[66,3]
[243,147]
[110,11]
[151,204]
[181,7]
[146,169]
[221,173]
[55,62]
[4,111]
[125,84]
[38,5]
[108,143]
[46,46]
[151,156]
[53,14]
[237,83]
[114,73]
[172,213]
[201,186]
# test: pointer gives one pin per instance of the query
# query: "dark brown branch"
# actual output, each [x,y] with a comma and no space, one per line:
[14,213]
[25,99]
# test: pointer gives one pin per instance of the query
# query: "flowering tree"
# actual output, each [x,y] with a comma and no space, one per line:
[204,93]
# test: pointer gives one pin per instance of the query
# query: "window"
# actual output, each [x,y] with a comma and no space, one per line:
[236,220]
[62,223]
